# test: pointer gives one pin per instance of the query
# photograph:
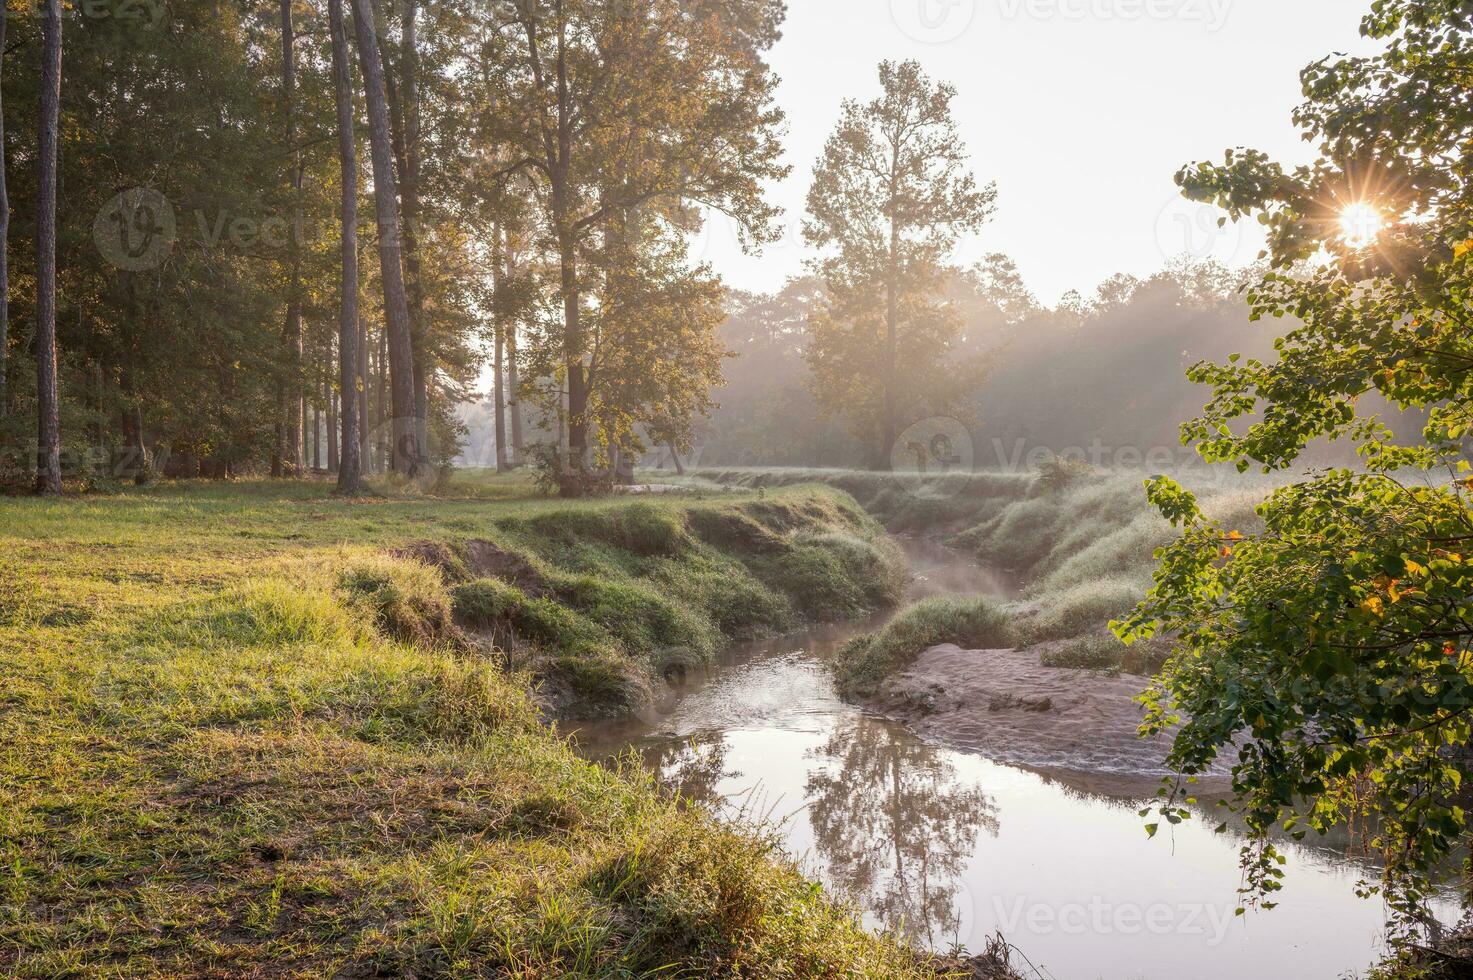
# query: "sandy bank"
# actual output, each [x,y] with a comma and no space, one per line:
[1003,704]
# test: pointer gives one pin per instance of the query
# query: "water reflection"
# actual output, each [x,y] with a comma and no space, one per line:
[692,769]
[895,823]
[912,833]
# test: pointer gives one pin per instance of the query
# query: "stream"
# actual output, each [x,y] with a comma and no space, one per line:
[951,848]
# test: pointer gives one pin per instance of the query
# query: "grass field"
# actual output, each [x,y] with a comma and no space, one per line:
[248,734]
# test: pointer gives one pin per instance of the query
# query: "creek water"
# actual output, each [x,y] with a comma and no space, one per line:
[951,848]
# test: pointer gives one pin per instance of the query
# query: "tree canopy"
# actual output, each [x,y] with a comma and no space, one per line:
[1329,656]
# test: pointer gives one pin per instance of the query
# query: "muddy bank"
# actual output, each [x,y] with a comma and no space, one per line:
[1006,706]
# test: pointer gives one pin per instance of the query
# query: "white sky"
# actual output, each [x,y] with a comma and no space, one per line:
[1081,110]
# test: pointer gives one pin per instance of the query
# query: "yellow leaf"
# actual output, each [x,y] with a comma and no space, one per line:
[1415,569]
[1374,605]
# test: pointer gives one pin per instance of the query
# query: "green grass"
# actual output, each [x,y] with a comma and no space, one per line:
[1082,541]
[248,733]
[863,663]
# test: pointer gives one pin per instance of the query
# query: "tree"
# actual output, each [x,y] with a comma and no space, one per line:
[498,329]
[290,426]
[1340,639]
[350,464]
[4,247]
[405,452]
[48,463]
[891,195]
[615,105]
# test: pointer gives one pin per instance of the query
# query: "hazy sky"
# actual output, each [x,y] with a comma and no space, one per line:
[1081,110]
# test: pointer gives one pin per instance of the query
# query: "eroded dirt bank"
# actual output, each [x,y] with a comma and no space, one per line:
[1004,705]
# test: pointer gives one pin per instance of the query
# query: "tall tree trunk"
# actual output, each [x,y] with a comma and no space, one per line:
[292,391]
[892,317]
[405,453]
[381,426]
[360,399]
[350,353]
[48,420]
[334,450]
[573,344]
[317,460]
[4,250]
[404,132]
[514,395]
[413,266]
[498,329]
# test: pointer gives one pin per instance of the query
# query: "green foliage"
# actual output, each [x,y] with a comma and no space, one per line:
[969,622]
[1337,638]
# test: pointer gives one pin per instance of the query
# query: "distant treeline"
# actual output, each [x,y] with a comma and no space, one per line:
[1102,378]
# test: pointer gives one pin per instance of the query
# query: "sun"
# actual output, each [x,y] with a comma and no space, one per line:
[1360,224]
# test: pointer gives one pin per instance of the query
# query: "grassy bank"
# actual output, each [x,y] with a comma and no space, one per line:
[972,623]
[1081,541]
[253,730]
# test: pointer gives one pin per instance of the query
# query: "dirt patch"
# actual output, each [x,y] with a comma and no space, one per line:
[1005,705]
[436,554]
[487,560]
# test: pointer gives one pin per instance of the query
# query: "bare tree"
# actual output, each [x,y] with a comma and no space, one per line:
[350,464]
[405,454]
[48,423]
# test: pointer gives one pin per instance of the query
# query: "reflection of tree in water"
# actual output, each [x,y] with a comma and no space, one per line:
[895,826]
[691,768]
